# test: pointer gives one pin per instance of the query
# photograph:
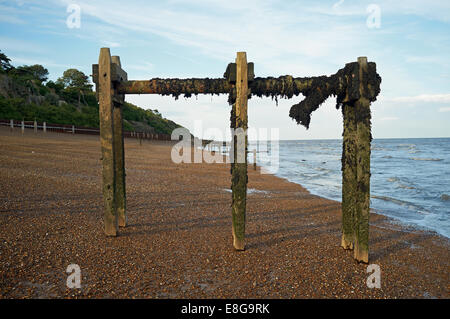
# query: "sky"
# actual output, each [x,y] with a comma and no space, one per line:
[408,40]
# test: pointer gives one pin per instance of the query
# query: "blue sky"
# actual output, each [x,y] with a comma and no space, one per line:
[198,38]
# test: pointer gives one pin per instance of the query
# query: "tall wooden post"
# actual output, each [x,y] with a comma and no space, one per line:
[44,127]
[363,141]
[105,96]
[23,127]
[239,163]
[35,127]
[11,125]
[254,159]
[349,151]
[119,156]
[357,138]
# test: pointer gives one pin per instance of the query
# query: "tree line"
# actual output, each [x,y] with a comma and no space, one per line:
[68,100]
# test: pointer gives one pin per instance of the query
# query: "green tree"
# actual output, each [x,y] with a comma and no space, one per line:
[31,72]
[58,87]
[5,66]
[73,78]
[76,85]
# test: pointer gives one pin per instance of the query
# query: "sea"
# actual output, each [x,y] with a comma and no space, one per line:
[410,179]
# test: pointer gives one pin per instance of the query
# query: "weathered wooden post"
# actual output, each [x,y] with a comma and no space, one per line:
[357,138]
[105,96]
[239,162]
[44,127]
[73,129]
[363,141]
[107,74]
[35,127]
[11,125]
[349,152]
[254,159]
[23,127]
[119,152]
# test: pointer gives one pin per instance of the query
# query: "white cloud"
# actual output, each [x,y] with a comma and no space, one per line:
[389,118]
[46,63]
[11,19]
[110,44]
[438,98]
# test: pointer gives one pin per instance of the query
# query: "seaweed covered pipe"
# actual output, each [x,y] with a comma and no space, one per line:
[175,87]
[344,84]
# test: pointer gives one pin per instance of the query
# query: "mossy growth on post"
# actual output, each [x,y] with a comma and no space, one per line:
[119,156]
[349,151]
[239,176]
[355,86]
[363,142]
[106,138]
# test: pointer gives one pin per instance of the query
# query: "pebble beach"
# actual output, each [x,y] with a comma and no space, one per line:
[178,241]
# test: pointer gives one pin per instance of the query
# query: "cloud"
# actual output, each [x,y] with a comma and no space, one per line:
[444,109]
[18,45]
[434,98]
[216,28]
[144,66]
[45,63]
[11,19]
[110,44]
[389,118]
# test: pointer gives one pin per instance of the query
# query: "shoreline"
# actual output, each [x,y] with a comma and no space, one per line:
[397,224]
[178,241]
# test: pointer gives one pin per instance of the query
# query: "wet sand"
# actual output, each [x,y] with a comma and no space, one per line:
[178,241]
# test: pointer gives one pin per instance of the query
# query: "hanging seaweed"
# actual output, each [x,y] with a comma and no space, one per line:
[344,84]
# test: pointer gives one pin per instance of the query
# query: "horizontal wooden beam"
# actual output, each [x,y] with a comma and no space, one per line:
[117,74]
[230,73]
[175,87]
[284,86]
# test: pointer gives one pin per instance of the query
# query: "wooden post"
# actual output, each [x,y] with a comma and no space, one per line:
[106,137]
[73,129]
[254,159]
[239,170]
[23,126]
[349,152]
[44,127]
[140,139]
[363,141]
[35,127]
[119,156]
[11,125]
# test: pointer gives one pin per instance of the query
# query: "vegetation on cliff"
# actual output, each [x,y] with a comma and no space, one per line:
[27,94]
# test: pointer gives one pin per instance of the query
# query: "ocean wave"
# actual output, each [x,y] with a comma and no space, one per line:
[407,146]
[397,201]
[387,156]
[406,186]
[426,159]
[249,191]
[396,179]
